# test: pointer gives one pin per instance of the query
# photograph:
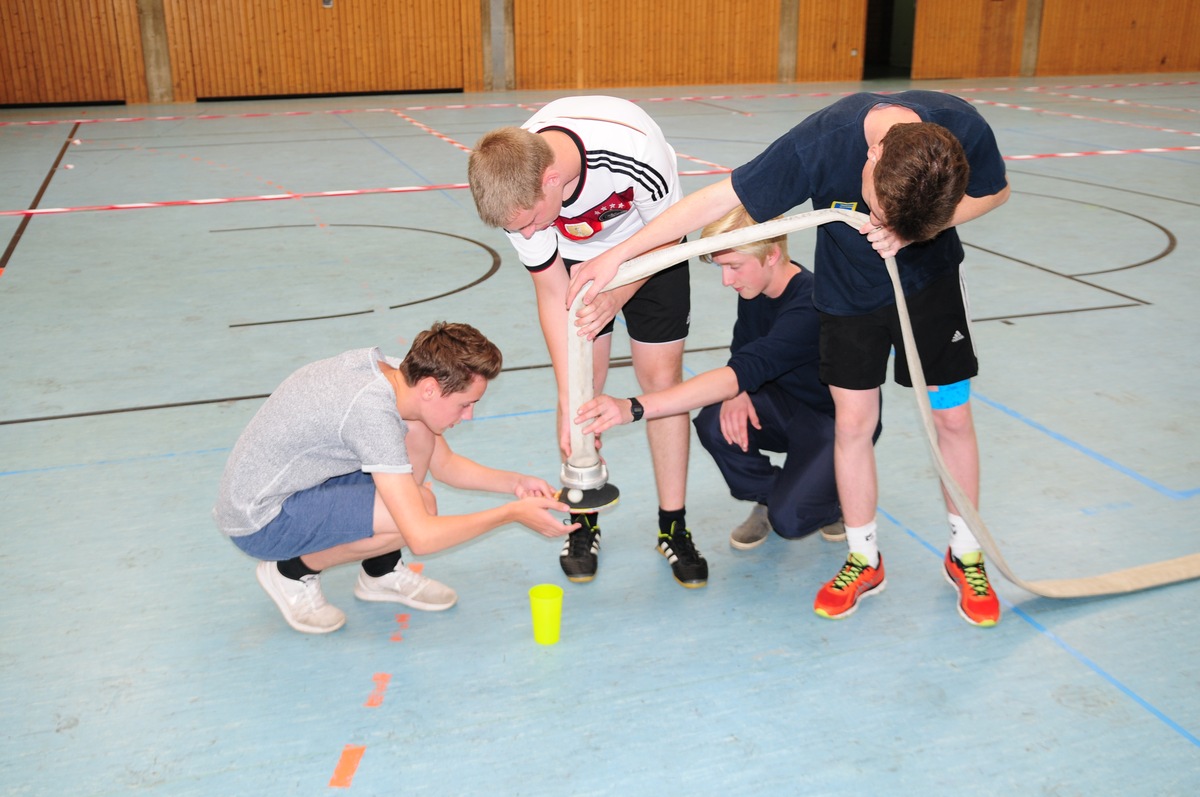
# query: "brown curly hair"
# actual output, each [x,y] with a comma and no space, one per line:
[453,354]
[920,178]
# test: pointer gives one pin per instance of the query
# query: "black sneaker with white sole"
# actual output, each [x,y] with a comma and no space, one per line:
[687,564]
[580,554]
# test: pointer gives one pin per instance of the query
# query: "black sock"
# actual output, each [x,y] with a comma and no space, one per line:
[295,569]
[381,565]
[667,518]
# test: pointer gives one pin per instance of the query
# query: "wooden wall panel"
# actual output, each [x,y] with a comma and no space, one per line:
[132,63]
[231,48]
[567,44]
[831,38]
[1110,37]
[63,51]
[957,39]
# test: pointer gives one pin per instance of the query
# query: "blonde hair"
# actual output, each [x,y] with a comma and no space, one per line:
[737,219]
[505,173]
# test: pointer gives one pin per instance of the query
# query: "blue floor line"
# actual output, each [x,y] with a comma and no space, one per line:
[1177,495]
[448,195]
[1057,640]
[123,461]
[206,451]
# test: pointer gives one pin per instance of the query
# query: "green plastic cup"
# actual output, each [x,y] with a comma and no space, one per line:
[545,602]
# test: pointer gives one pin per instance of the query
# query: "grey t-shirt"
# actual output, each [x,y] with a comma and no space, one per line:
[329,418]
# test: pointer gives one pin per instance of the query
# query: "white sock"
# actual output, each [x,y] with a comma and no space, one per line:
[861,540]
[962,541]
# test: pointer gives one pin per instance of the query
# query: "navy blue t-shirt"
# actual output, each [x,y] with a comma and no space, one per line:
[775,340]
[822,159]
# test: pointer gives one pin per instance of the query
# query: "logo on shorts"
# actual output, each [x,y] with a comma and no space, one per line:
[957,336]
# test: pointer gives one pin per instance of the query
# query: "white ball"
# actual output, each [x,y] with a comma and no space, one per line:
[574,496]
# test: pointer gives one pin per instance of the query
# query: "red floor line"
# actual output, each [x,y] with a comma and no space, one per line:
[458,186]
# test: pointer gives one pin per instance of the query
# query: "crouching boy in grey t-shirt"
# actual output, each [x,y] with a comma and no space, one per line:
[332,467]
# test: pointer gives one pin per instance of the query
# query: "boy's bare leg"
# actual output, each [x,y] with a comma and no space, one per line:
[657,367]
[854,453]
[960,450]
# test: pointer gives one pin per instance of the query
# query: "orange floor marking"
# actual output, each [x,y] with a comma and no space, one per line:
[402,619]
[347,765]
[375,699]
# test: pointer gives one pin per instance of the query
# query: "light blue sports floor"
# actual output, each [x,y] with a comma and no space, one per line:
[138,654]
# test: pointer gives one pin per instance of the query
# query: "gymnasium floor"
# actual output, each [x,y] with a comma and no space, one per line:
[183,262]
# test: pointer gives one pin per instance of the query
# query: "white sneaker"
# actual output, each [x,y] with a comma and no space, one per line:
[301,602]
[404,586]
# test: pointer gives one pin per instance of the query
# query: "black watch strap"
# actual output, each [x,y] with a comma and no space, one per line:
[636,408]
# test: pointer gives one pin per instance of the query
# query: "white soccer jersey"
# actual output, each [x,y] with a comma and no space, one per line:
[630,176]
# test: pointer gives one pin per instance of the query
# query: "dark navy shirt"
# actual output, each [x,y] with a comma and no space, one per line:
[775,340]
[822,159]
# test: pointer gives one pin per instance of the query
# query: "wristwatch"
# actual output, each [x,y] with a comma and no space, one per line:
[636,408]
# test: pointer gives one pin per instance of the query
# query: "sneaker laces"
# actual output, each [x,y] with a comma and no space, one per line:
[849,573]
[407,581]
[975,576]
[312,594]
[579,542]
[681,543]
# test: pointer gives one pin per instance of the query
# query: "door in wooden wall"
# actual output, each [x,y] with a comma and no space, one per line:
[70,51]
[831,40]
[956,39]
[233,48]
[567,44]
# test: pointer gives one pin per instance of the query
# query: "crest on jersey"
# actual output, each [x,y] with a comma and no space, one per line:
[584,226]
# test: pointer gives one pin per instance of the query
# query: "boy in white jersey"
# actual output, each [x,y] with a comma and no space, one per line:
[582,175]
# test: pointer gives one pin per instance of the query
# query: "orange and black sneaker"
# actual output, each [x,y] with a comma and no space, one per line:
[977,602]
[857,579]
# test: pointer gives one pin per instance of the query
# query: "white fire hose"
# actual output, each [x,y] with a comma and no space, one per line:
[584,469]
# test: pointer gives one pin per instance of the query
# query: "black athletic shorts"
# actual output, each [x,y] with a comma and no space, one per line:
[661,310]
[855,349]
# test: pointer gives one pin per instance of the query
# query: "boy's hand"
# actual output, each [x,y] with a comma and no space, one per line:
[593,317]
[532,486]
[882,239]
[603,412]
[564,437]
[737,416]
[600,270]
[534,513]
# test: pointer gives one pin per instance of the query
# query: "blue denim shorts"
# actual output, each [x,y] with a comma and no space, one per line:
[335,512]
